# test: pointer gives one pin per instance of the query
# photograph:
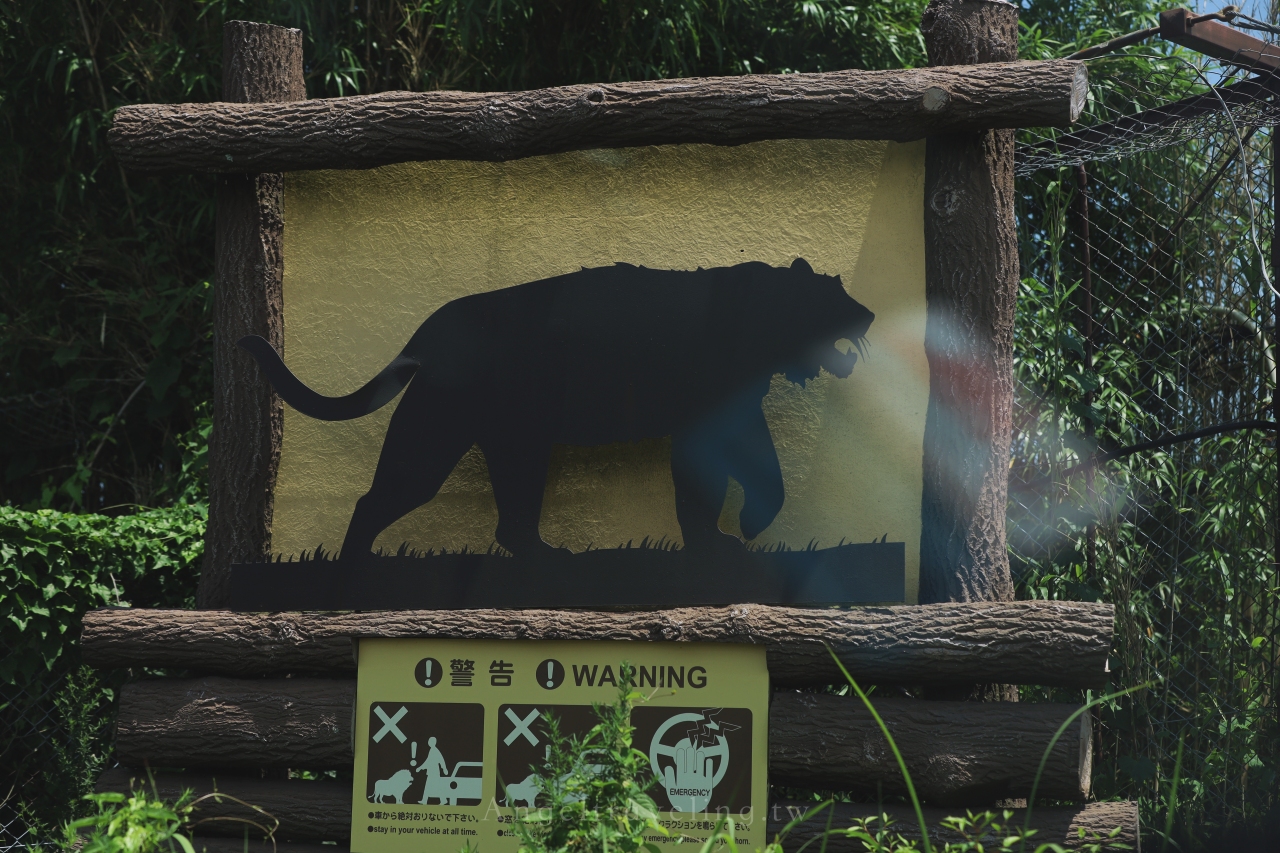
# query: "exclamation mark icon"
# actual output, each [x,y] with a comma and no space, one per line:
[413,753]
[428,672]
[550,674]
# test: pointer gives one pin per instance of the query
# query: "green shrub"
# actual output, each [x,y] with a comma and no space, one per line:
[133,824]
[595,786]
[55,716]
[597,802]
[55,565]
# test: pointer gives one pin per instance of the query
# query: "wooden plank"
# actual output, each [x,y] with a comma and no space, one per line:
[1220,41]
[1056,824]
[321,811]
[1055,643]
[365,131]
[957,751]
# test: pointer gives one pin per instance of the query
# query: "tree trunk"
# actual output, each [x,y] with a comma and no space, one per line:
[1058,643]
[971,281]
[373,130]
[260,63]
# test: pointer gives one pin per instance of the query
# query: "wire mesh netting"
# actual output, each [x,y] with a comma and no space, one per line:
[1145,312]
[55,730]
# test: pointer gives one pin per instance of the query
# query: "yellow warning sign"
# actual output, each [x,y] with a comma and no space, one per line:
[451,736]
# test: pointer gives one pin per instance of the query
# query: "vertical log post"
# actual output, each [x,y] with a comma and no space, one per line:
[260,62]
[971,281]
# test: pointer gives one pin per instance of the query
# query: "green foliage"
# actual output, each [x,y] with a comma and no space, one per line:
[56,716]
[595,787]
[133,824]
[83,708]
[1182,539]
[54,566]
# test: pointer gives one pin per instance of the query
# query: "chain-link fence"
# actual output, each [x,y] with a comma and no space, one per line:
[1147,313]
[25,721]
[54,739]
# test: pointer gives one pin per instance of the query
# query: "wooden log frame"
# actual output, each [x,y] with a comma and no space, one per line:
[1051,643]
[374,130]
[815,739]
[957,752]
[321,811]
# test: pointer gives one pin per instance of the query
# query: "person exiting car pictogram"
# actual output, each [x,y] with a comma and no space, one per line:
[414,744]
[435,768]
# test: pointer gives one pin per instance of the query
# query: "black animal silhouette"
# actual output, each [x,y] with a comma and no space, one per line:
[594,357]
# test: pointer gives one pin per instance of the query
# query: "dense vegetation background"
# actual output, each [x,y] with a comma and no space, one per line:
[105,288]
[105,277]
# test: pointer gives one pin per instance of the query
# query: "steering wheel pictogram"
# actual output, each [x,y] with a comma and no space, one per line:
[694,770]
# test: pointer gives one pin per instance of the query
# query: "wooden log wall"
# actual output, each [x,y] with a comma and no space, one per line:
[365,131]
[314,811]
[1051,643]
[292,704]
[958,752]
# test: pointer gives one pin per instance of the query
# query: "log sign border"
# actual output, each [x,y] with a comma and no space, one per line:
[289,701]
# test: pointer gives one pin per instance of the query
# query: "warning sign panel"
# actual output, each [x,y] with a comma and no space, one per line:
[452,736]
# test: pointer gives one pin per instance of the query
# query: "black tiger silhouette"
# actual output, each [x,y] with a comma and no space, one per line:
[598,356]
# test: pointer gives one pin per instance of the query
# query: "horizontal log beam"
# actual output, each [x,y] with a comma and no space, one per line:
[307,810]
[303,723]
[321,811]
[958,752]
[1058,824]
[365,131]
[1051,643]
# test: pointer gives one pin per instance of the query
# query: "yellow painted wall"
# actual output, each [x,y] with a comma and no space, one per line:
[370,254]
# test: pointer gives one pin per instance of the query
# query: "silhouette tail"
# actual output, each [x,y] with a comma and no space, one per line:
[375,394]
